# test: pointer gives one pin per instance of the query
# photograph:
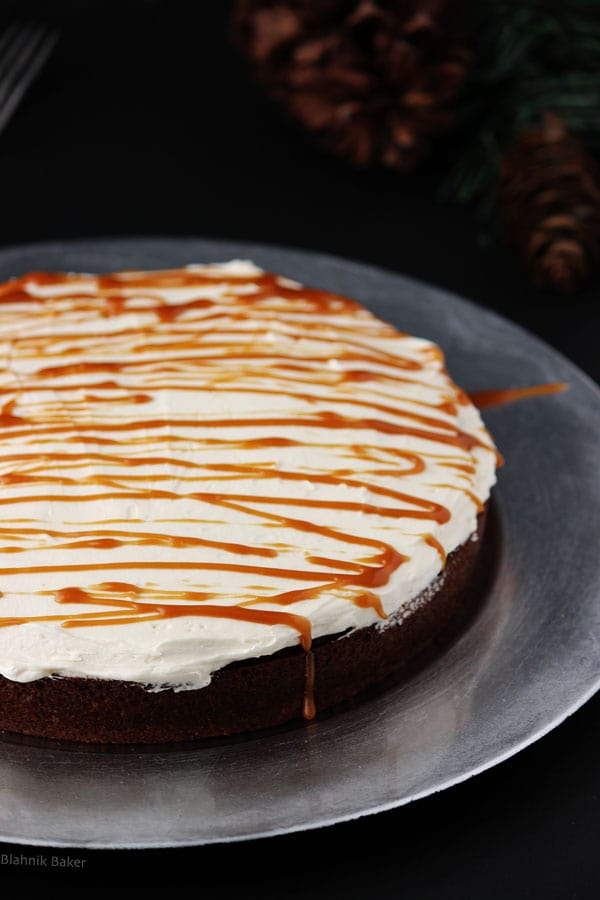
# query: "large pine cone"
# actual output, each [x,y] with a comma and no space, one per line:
[549,201]
[374,80]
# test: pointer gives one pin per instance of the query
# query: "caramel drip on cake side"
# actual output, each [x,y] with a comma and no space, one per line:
[226,445]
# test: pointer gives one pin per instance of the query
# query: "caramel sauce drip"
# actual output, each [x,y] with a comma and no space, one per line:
[488,399]
[433,542]
[309,709]
[251,339]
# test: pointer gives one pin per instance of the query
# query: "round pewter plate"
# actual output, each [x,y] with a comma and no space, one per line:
[528,660]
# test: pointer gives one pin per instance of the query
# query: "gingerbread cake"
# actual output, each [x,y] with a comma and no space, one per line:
[228,501]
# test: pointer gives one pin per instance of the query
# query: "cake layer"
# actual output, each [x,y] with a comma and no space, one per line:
[254,694]
[208,465]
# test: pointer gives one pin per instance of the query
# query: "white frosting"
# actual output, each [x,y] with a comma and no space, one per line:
[176,378]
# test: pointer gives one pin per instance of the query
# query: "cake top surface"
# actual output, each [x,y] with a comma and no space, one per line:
[212,463]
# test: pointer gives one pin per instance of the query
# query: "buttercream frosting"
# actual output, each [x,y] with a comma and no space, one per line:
[209,464]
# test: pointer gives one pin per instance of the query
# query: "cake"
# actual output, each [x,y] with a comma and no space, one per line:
[228,502]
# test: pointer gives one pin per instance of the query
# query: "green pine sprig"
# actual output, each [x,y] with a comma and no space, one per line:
[529,56]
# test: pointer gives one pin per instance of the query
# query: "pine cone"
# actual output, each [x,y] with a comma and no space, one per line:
[374,80]
[549,201]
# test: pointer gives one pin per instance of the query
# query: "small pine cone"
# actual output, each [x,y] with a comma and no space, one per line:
[375,81]
[549,202]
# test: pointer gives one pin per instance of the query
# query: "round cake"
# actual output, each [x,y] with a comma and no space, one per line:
[228,501]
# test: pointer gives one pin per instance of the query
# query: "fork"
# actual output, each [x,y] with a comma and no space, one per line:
[24,48]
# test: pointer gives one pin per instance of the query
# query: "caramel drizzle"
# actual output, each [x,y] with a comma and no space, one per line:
[247,340]
[487,399]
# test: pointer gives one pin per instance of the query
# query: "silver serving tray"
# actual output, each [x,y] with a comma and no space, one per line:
[529,659]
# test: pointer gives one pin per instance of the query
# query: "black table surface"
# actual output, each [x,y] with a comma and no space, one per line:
[146,122]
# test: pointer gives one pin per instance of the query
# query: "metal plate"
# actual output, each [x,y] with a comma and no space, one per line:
[529,659]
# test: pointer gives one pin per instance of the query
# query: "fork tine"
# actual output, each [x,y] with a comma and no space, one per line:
[13,40]
[29,48]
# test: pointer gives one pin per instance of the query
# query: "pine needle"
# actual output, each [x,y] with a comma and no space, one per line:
[530,56]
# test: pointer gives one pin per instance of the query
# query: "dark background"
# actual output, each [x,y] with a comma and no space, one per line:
[147,122]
